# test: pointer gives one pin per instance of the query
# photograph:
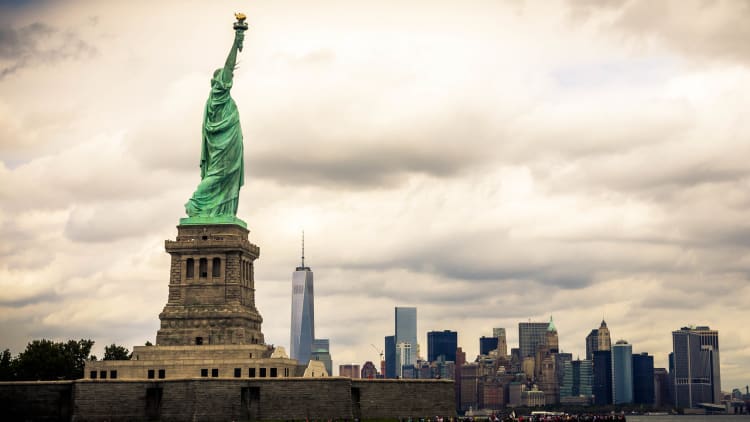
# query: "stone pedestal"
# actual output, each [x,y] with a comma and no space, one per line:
[211,288]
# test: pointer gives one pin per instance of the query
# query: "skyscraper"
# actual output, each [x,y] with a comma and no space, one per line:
[662,388]
[390,357]
[406,333]
[622,373]
[560,360]
[605,342]
[577,379]
[696,366]
[458,374]
[551,340]
[643,379]
[602,381]
[592,343]
[303,312]
[502,342]
[321,351]
[530,335]
[404,354]
[487,344]
[442,343]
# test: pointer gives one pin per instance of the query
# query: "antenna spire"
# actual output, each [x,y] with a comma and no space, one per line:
[303,248]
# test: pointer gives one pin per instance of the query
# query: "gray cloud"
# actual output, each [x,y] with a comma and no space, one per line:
[328,150]
[714,30]
[118,220]
[361,166]
[17,302]
[39,43]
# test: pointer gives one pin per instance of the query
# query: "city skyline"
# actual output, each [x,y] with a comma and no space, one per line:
[489,165]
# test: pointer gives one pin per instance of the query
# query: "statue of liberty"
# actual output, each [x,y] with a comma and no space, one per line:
[222,165]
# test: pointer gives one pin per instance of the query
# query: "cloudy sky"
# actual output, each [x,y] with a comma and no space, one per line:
[488,162]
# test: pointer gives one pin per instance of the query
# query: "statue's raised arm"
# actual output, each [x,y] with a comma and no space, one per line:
[239,37]
[222,166]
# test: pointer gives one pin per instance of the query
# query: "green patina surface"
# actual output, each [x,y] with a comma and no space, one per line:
[227,219]
[222,166]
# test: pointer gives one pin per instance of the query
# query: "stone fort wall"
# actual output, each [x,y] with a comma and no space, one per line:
[206,399]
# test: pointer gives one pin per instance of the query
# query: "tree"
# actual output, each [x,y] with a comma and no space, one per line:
[115,352]
[76,354]
[7,366]
[48,360]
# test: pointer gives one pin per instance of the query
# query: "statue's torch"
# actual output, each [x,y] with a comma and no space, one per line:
[240,27]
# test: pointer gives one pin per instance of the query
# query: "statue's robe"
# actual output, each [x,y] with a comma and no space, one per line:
[222,164]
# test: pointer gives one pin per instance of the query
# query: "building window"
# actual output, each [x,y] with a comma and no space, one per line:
[204,372]
[250,373]
[214,372]
[237,372]
[162,374]
[198,341]
[203,268]
[150,374]
[262,372]
[216,269]
[190,272]
[103,375]
[92,375]
[274,372]
[113,374]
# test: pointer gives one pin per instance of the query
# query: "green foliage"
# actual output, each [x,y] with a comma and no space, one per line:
[48,360]
[148,343]
[115,352]
[7,366]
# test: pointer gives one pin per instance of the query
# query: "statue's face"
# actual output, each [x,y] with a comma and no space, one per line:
[217,72]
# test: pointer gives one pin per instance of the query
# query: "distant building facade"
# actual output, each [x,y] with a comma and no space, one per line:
[458,375]
[303,314]
[406,334]
[369,371]
[442,343]
[531,335]
[605,341]
[502,341]
[349,370]
[404,355]
[577,380]
[622,373]
[560,360]
[602,381]
[662,388]
[695,359]
[487,344]
[592,344]
[321,351]
[545,365]
[390,357]
[643,379]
